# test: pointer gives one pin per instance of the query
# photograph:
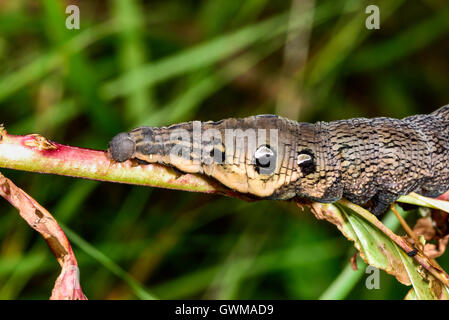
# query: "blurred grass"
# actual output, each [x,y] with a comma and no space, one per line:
[153,63]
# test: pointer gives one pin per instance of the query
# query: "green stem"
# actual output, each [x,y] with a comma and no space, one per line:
[137,288]
[37,154]
[344,283]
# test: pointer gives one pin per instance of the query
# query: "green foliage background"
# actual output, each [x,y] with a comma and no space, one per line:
[159,62]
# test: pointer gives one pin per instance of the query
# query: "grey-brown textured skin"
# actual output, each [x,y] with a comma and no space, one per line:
[360,159]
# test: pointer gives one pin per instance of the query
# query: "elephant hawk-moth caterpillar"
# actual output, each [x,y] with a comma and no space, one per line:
[270,157]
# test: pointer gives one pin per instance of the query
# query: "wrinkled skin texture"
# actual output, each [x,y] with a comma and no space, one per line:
[364,160]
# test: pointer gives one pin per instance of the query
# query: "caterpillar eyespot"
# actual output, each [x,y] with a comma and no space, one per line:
[265,160]
[305,161]
[217,155]
[304,158]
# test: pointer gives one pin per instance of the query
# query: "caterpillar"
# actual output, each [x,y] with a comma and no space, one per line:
[371,161]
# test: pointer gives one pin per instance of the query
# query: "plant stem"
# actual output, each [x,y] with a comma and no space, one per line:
[37,154]
[344,283]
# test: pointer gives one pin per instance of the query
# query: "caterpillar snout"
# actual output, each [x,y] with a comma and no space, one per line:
[122,147]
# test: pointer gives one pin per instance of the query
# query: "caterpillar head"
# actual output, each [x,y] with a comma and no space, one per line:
[122,147]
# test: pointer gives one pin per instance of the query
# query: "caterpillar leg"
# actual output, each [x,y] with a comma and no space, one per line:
[381,202]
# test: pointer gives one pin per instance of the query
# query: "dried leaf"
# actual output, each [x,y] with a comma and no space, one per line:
[67,285]
[436,250]
[424,227]
[434,228]
[444,196]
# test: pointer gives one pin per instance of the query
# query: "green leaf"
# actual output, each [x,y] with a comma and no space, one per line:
[378,250]
[418,200]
